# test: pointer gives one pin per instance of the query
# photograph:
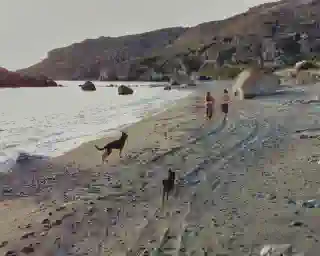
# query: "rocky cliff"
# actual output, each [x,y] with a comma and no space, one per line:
[84,60]
[131,54]
[10,79]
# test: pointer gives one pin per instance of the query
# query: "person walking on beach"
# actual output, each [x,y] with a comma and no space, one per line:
[225,103]
[209,101]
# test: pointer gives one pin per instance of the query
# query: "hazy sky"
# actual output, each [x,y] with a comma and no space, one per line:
[30,28]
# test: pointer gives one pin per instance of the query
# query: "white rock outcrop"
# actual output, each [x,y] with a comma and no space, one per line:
[254,82]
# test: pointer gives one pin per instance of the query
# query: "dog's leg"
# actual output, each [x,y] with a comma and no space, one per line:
[163,196]
[106,153]
[163,191]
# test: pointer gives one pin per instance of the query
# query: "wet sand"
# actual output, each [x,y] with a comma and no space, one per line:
[241,183]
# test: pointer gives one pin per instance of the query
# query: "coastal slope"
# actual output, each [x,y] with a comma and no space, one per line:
[90,58]
[85,59]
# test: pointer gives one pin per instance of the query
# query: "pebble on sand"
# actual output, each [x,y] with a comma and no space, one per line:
[27,235]
[3,244]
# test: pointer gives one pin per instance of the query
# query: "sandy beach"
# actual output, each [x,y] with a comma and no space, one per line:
[242,183]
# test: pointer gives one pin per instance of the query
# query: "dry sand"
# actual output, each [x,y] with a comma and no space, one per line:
[240,186]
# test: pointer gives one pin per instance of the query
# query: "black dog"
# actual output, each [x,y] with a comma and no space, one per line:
[168,185]
[116,144]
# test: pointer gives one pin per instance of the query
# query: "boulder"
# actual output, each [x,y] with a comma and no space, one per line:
[305,65]
[255,82]
[88,86]
[124,90]
[167,88]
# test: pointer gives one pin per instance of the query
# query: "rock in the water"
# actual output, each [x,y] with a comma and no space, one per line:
[88,86]
[124,90]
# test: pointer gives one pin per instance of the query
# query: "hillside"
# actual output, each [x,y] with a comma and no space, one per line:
[86,59]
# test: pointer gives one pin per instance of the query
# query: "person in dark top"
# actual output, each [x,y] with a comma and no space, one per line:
[209,102]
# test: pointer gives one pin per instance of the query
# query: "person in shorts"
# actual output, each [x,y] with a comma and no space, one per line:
[225,103]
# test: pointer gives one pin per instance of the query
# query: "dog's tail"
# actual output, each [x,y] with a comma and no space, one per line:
[100,149]
[163,192]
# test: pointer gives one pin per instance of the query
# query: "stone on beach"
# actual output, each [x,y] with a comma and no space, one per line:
[255,82]
[11,253]
[27,235]
[28,249]
[3,244]
[314,203]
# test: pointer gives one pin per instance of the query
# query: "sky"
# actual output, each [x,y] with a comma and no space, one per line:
[31,28]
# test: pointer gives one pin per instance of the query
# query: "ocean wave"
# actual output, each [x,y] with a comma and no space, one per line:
[8,163]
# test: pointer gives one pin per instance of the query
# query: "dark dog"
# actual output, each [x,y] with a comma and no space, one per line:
[168,185]
[116,144]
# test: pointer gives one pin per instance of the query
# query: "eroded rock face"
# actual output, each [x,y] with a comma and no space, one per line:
[9,79]
[124,90]
[88,86]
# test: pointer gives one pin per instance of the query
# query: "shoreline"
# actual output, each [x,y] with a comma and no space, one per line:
[239,187]
[150,116]
[66,174]
[76,141]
